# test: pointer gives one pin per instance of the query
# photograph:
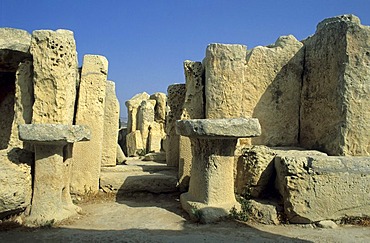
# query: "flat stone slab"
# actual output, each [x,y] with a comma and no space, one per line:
[219,128]
[53,134]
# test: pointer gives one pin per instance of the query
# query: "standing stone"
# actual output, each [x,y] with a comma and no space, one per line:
[160,107]
[271,90]
[111,126]
[90,112]
[175,100]
[145,119]
[55,76]
[23,101]
[134,143]
[155,137]
[132,109]
[335,110]
[193,108]
[224,80]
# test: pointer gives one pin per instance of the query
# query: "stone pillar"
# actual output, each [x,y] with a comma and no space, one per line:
[175,100]
[211,189]
[224,80]
[145,120]
[160,107]
[133,105]
[335,109]
[90,112]
[271,90]
[51,200]
[55,76]
[193,108]
[111,126]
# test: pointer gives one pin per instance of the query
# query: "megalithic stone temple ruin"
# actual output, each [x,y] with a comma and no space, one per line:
[287,124]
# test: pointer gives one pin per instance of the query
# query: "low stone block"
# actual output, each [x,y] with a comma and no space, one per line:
[316,188]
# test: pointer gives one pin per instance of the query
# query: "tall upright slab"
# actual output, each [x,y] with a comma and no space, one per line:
[193,108]
[224,66]
[133,105]
[111,126]
[335,109]
[272,86]
[55,76]
[175,101]
[90,112]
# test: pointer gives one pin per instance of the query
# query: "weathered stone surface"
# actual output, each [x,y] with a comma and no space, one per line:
[23,101]
[111,126]
[271,90]
[335,110]
[193,108]
[134,143]
[120,155]
[327,224]
[158,157]
[55,76]
[224,80]
[175,101]
[14,48]
[160,107]
[16,189]
[219,128]
[53,133]
[155,137]
[132,109]
[255,172]
[90,112]
[145,120]
[317,188]
[263,212]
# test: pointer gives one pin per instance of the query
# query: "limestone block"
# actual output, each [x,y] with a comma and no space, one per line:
[155,137]
[316,188]
[145,119]
[271,90]
[55,76]
[53,133]
[224,80]
[219,128]
[175,101]
[90,112]
[193,108]
[335,109]
[157,157]
[263,212]
[134,143]
[14,48]
[122,133]
[160,106]
[16,189]
[132,108]
[120,155]
[111,126]
[23,101]
[255,172]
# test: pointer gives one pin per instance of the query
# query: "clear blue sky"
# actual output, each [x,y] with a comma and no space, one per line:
[146,42]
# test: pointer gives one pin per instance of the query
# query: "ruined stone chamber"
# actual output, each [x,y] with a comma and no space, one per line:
[213,141]
[51,201]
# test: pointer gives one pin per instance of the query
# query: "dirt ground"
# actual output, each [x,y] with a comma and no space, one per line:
[159,218]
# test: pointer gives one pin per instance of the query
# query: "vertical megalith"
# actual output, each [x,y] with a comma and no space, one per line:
[55,76]
[193,108]
[335,108]
[90,112]
[224,66]
[272,86]
[175,101]
[133,105]
[111,126]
